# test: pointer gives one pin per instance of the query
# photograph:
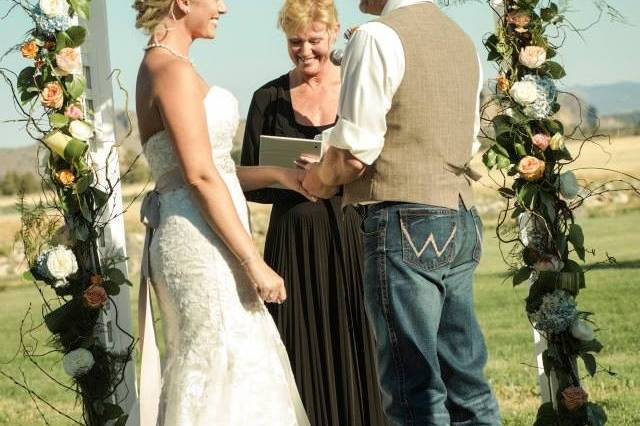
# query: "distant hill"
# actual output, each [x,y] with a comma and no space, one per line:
[609,99]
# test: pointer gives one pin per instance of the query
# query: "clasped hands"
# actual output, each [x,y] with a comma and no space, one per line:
[305,179]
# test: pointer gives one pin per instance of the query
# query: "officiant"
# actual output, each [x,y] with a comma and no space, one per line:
[315,247]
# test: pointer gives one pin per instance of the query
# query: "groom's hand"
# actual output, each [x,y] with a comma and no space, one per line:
[314,186]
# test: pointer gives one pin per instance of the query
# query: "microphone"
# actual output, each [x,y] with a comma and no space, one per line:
[336,57]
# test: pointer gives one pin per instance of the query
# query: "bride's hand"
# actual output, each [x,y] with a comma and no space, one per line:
[292,179]
[270,286]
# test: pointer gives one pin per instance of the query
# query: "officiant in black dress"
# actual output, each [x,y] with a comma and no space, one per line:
[315,247]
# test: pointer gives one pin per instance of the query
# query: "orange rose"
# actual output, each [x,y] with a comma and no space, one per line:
[52,96]
[503,83]
[574,397]
[66,177]
[95,297]
[531,168]
[29,49]
[96,280]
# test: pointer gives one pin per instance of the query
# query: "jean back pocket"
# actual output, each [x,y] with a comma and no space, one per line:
[428,237]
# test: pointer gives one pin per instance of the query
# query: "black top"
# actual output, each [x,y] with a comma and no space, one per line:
[316,248]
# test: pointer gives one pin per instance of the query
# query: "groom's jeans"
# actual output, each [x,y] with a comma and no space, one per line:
[419,265]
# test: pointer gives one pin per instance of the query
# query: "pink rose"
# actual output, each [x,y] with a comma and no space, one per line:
[531,168]
[95,297]
[541,141]
[69,61]
[533,56]
[520,19]
[548,263]
[574,397]
[74,112]
[52,96]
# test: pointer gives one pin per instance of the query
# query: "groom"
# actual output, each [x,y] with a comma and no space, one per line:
[408,120]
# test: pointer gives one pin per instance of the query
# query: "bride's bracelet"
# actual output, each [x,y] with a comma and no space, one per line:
[247,260]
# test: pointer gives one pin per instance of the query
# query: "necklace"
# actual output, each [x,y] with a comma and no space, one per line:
[170,50]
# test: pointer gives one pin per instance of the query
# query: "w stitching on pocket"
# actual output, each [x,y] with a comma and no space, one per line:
[431,240]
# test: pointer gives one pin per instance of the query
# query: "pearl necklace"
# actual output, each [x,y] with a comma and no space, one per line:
[170,50]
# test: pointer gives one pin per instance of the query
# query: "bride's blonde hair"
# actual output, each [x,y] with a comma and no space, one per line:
[151,13]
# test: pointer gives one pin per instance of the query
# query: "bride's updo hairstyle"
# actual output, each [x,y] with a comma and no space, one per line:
[151,13]
[297,14]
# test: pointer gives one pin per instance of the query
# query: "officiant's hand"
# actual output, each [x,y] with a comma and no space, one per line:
[292,179]
[314,186]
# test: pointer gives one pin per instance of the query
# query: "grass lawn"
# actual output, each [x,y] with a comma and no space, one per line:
[611,292]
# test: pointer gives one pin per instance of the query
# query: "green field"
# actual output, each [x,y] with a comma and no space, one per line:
[611,292]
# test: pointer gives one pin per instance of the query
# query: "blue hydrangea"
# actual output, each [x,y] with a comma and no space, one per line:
[547,93]
[41,265]
[50,25]
[556,313]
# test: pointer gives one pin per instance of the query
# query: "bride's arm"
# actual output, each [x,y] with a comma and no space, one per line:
[179,98]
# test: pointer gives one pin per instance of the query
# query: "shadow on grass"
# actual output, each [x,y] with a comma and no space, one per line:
[627,264]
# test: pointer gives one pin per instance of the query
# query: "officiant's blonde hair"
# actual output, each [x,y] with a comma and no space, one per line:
[151,13]
[297,14]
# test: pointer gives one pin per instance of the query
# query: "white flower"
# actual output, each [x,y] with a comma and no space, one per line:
[61,262]
[53,8]
[524,92]
[496,3]
[78,362]
[557,142]
[533,56]
[549,263]
[69,61]
[582,330]
[569,187]
[81,130]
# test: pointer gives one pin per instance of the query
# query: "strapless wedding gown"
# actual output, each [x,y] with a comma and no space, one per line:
[225,363]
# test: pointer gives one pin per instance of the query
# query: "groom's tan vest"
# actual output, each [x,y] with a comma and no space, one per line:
[431,120]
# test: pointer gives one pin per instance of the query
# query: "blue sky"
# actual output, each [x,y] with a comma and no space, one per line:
[250,50]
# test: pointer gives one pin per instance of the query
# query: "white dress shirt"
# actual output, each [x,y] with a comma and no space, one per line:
[373,67]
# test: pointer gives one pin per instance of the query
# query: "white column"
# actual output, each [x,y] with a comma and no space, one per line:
[99,100]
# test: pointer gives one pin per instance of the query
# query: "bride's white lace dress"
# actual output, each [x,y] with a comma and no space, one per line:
[225,363]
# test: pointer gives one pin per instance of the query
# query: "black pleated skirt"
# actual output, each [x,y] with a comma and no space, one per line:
[317,249]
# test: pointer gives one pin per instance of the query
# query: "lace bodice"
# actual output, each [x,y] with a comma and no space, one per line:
[221,108]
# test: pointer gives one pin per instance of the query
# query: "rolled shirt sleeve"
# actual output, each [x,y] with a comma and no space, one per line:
[372,70]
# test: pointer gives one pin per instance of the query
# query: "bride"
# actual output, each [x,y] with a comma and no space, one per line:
[225,363]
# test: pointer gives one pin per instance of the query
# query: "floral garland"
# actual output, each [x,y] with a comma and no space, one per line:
[65,258]
[528,145]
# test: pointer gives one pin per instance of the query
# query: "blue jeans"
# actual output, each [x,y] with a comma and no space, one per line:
[419,265]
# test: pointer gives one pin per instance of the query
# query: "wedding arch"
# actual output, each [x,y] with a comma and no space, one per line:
[74,239]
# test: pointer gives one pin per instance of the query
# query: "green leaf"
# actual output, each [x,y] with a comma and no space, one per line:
[507,193]
[503,124]
[83,184]
[58,120]
[76,86]
[81,232]
[100,198]
[546,416]
[28,277]
[527,194]
[62,40]
[84,208]
[590,363]
[503,162]
[576,238]
[521,275]
[116,276]
[591,346]
[547,362]
[27,96]
[548,13]
[82,8]
[596,416]
[122,421]
[77,36]
[489,158]
[554,70]
[112,411]
[25,78]
[520,149]
[75,149]
[111,288]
